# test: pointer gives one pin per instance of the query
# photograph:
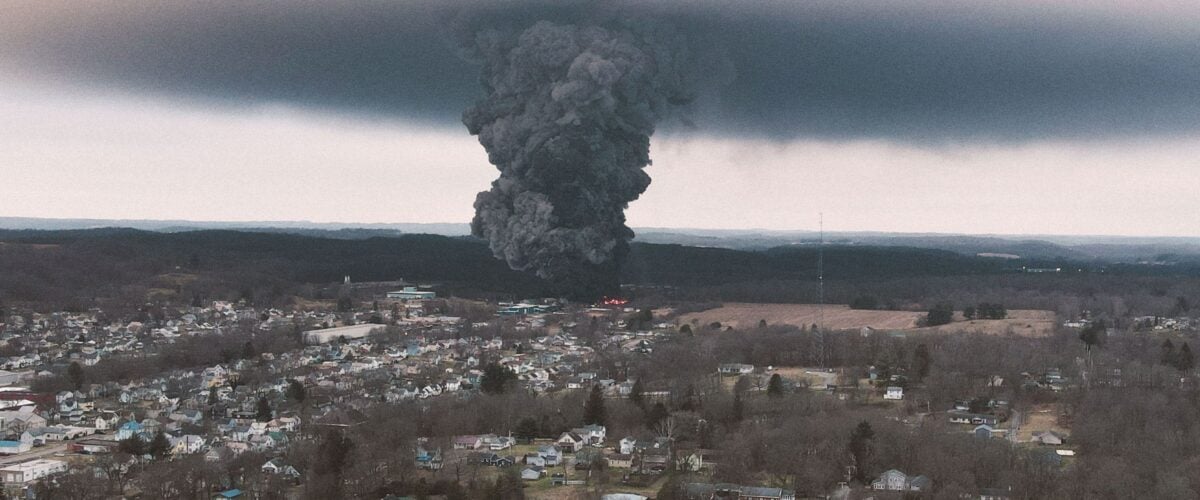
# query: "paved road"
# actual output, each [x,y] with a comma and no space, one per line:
[1015,428]
[47,451]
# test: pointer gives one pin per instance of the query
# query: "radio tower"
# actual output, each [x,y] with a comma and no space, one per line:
[819,334]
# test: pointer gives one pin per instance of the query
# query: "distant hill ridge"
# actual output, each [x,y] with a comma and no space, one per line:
[1084,248]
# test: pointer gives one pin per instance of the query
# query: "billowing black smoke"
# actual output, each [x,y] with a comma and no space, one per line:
[567,119]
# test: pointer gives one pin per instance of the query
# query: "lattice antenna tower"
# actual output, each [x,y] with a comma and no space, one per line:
[819,334]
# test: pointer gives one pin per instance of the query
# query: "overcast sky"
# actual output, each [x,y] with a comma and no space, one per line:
[978,117]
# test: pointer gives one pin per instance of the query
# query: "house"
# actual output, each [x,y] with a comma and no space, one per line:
[693,460]
[532,473]
[973,418]
[586,457]
[621,460]
[14,447]
[1050,438]
[428,460]
[186,444]
[411,293]
[227,494]
[894,480]
[592,434]
[33,470]
[501,443]
[106,420]
[983,432]
[894,393]
[496,460]
[550,454]
[533,459]
[735,369]
[627,445]
[277,466]
[468,442]
[706,491]
[16,422]
[569,442]
[994,494]
[129,429]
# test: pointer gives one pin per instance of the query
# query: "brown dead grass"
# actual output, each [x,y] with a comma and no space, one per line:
[841,317]
[32,246]
[1043,417]
[838,317]
[1023,322]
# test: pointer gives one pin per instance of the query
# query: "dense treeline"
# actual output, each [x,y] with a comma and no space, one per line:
[1068,294]
[77,269]
[74,267]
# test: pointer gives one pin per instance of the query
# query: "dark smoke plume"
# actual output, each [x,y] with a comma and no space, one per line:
[567,119]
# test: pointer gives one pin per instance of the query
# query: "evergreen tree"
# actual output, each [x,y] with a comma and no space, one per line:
[495,378]
[248,350]
[861,448]
[657,414]
[1184,361]
[775,386]
[921,361]
[527,429]
[296,391]
[593,410]
[1168,353]
[263,413]
[739,409]
[75,375]
[637,394]
[212,396]
[1092,335]
[940,314]
[689,402]
[159,446]
[132,445]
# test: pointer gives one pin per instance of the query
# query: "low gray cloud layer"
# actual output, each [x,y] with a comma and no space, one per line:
[917,71]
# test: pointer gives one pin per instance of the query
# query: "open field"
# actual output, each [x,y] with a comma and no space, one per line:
[838,317]
[841,317]
[1043,417]
[1024,322]
[816,378]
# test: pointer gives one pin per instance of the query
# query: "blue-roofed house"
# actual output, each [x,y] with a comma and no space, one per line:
[14,447]
[234,493]
[129,429]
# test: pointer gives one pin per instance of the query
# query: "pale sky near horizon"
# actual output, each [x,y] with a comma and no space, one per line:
[82,144]
[117,157]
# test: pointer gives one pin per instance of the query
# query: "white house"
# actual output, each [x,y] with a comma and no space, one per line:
[27,472]
[593,434]
[627,445]
[895,393]
[569,442]
[186,444]
[735,369]
[894,480]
